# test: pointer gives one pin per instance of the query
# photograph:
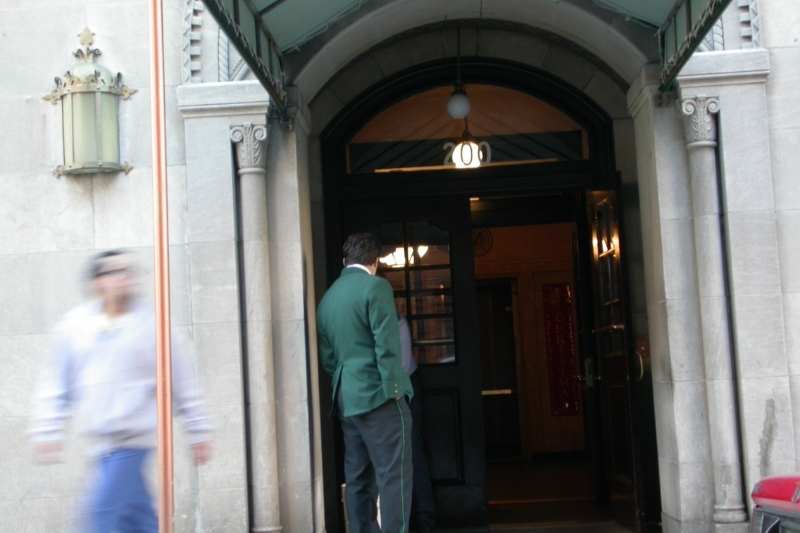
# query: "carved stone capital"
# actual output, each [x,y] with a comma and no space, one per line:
[250,141]
[701,128]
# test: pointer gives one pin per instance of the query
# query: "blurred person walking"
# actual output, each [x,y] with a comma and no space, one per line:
[103,371]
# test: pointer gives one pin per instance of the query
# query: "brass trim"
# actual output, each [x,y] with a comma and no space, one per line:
[497,392]
[611,328]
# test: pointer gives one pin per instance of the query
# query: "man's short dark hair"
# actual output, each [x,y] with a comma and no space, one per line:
[361,248]
[96,262]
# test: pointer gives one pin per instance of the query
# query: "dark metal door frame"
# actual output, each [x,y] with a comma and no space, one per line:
[341,189]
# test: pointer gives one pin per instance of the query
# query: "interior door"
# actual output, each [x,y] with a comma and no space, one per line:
[623,390]
[427,257]
[499,363]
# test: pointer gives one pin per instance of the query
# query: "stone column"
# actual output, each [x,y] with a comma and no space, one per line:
[250,143]
[701,142]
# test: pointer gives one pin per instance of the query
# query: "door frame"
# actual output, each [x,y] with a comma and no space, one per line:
[340,188]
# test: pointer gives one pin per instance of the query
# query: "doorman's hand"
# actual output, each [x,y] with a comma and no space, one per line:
[201,452]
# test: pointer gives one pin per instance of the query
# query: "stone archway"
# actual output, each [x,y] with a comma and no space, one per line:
[549,55]
[492,40]
[619,43]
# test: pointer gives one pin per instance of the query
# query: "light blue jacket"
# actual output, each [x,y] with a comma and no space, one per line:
[103,371]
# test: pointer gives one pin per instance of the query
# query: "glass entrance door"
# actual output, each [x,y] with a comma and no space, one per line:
[622,383]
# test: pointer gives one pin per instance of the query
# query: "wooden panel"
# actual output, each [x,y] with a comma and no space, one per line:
[556,432]
[534,256]
[443,430]
[560,336]
[424,116]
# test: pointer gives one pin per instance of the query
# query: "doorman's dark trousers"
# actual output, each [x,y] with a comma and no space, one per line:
[377,450]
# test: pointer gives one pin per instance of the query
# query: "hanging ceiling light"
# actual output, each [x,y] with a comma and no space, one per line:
[458,106]
[468,152]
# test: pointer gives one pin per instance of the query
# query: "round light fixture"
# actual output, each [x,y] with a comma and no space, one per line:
[467,154]
[458,105]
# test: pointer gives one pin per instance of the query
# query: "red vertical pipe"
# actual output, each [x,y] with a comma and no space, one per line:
[161,268]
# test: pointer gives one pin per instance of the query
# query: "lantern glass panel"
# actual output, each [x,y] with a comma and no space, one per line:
[67,118]
[84,127]
[108,131]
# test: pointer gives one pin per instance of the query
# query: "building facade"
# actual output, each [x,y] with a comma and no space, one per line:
[259,201]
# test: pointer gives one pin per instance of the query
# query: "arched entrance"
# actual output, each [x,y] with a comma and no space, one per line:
[528,370]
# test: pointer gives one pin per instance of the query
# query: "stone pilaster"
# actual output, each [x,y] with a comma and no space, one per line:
[767,393]
[701,141]
[673,310]
[249,141]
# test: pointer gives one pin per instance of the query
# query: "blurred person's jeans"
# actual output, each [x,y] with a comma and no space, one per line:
[119,501]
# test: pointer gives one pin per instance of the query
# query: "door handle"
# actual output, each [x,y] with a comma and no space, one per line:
[497,392]
[609,328]
[641,351]
[588,373]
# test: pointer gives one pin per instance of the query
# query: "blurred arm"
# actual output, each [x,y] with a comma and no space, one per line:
[187,399]
[52,401]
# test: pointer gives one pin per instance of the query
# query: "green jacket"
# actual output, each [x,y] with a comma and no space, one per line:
[359,342]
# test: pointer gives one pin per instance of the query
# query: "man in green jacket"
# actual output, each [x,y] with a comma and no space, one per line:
[359,346]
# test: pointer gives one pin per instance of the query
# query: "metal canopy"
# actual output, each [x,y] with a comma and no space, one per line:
[683,30]
[294,22]
[264,30]
[682,25]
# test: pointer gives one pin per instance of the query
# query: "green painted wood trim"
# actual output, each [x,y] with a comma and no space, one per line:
[262,56]
[675,50]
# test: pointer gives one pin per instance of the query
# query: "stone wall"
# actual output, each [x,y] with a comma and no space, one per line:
[50,226]
[673,313]
[780,34]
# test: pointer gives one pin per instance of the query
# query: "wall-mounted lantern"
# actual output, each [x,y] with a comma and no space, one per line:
[89,94]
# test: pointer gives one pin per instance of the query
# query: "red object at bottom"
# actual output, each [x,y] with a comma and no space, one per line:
[780,494]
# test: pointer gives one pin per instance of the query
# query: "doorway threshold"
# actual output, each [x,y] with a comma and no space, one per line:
[604,527]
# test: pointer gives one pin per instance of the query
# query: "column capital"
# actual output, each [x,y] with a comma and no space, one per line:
[700,126]
[250,140]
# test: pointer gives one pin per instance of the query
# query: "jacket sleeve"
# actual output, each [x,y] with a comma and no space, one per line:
[386,333]
[54,393]
[187,397]
[326,355]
